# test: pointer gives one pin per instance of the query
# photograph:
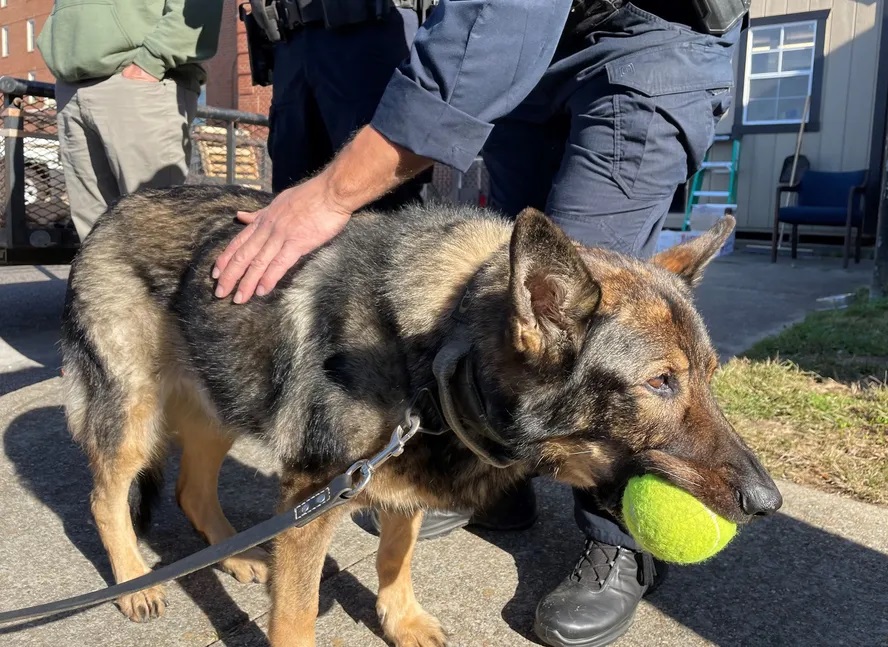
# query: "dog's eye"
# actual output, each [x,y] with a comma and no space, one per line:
[658,382]
[661,383]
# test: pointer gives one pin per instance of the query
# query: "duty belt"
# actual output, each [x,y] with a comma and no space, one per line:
[335,13]
[715,17]
[280,18]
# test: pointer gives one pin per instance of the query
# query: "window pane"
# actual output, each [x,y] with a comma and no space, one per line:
[761,110]
[798,59]
[791,109]
[763,88]
[764,38]
[799,34]
[794,86]
[765,63]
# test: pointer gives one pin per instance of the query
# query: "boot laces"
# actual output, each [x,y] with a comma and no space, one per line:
[597,561]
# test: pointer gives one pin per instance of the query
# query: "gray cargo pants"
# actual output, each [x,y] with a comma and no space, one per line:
[117,135]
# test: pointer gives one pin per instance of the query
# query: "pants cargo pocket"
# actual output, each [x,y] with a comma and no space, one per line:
[667,101]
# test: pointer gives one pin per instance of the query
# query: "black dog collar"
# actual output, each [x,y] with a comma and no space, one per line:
[462,400]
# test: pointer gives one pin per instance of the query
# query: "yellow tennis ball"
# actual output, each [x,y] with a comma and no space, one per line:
[672,525]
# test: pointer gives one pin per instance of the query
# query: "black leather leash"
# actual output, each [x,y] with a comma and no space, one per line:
[339,491]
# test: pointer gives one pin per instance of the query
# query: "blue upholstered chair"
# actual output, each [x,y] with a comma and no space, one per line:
[824,199]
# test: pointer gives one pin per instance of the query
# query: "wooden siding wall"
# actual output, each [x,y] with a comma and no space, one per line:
[851,50]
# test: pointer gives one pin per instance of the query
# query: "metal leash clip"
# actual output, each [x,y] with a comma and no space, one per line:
[395,447]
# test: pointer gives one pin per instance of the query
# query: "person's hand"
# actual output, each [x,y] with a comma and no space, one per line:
[298,221]
[301,219]
[136,73]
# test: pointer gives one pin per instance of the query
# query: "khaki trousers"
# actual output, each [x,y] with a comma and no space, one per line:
[117,135]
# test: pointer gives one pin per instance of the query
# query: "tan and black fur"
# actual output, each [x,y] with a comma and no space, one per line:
[570,345]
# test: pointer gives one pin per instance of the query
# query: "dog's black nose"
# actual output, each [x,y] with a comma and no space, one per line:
[757,493]
[760,499]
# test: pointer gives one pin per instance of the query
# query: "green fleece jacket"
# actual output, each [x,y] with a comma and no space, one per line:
[93,39]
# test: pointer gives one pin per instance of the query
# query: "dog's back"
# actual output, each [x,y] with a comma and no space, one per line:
[141,320]
[116,318]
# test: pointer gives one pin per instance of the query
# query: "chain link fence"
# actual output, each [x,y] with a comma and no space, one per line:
[35,218]
[29,154]
[228,147]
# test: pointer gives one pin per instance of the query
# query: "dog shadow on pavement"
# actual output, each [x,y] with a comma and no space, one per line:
[781,582]
[55,471]
[30,317]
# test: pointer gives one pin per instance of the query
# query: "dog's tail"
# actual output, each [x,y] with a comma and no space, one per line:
[144,494]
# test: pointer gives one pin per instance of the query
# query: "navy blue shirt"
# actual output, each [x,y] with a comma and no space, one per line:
[472,62]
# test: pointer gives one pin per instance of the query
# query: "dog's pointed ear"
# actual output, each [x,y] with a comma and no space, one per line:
[552,293]
[689,259]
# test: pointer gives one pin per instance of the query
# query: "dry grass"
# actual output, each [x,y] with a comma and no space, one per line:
[813,400]
[809,430]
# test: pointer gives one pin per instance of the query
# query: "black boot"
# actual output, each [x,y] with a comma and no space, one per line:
[596,603]
[515,510]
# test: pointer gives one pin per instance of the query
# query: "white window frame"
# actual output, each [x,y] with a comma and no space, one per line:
[4,41]
[31,28]
[2,4]
[781,48]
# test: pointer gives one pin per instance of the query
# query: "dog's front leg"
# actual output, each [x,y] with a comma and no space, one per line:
[403,620]
[297,563]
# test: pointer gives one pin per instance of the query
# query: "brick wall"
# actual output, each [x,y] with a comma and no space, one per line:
[221,69]
[250,98]
[228,84]
[14,17]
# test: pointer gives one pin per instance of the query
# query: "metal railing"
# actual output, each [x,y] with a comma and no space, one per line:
[228,147]
[35,213]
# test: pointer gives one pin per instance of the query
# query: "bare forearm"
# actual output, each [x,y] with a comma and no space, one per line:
[307,215]
[367,168]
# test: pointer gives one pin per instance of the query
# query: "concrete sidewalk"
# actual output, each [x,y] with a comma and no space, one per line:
[815,574]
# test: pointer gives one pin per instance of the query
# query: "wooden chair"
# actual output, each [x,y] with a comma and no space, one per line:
[824,199]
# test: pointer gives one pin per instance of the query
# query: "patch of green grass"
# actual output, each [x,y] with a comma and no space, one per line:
[812,401]
[847,345]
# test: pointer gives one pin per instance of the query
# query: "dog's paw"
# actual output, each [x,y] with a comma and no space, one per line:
[418,629]
[248,566]
[144,605]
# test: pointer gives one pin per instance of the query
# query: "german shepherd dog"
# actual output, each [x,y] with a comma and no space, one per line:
[582,364]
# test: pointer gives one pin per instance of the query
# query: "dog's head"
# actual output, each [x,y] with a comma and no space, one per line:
[610,367]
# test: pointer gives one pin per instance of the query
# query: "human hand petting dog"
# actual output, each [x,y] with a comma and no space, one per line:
[297,221]
[308,215]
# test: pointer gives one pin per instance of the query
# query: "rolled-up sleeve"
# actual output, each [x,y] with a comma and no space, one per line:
[472,62]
